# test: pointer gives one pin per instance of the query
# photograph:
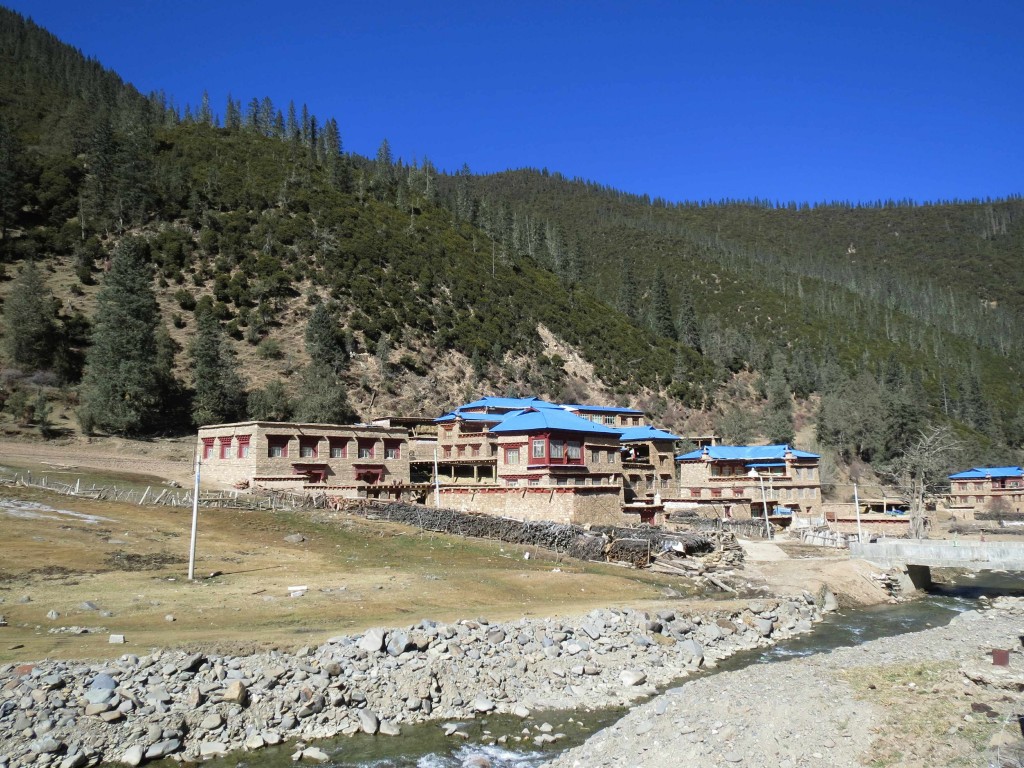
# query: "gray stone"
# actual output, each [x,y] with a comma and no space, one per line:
[397,643]
[103,681]
[631,677]
[764,627]
[98,708]
[592,631]
[212,749]
[99,696]
[163,748]
[315,754]
[211,722]
[495,635]
[46,746]
[133,755]
[389,728]
[272,738]
[52,615]
[89,605]
[295,538]
[483,704]
[116,639]
[255,741]
[372,640]
[368,721]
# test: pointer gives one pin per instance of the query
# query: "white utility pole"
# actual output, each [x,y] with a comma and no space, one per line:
[195,522]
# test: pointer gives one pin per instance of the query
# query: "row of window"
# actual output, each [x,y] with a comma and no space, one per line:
[309,447]
[996,485]
[608,419]
[740,470]
[983,499]
[785,494]
[514,482]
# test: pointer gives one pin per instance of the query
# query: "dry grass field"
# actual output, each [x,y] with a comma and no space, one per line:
[60,553]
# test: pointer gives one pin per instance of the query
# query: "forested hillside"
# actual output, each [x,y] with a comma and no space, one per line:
[169,265]
[279,264]
[896,315]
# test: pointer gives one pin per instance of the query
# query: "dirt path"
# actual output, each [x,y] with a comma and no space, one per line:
[929,698]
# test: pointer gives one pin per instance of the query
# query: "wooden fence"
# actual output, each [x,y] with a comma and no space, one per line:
[169,497]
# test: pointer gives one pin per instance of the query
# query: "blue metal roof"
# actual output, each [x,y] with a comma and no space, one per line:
[643,434]
[535,420]
[608,408]
[745,453]
[980,473]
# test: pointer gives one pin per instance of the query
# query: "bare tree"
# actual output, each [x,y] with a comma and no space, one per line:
[922,468]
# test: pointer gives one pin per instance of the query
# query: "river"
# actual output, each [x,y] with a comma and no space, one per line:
[426,746]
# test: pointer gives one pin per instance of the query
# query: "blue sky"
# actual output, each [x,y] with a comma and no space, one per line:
[805,101]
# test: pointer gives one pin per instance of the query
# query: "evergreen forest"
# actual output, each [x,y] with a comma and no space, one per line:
[167,265]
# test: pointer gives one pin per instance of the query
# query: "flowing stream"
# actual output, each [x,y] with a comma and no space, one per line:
[426,746]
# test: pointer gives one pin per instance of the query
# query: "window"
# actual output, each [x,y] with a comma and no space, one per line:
[392,449]
[277,446]
[557,448]
[447,450]
[207,448]
[243,446]
[339,447]
[664,482]
[534,481]
[611,457]
[308,448]
[561,481]
[511,483]
[595,456]
[581,481]
[511,455]
[537,449]
[461,450]
[636,421]
[475,449]
[366,449]
[225,447]
[575,451]
[609,420]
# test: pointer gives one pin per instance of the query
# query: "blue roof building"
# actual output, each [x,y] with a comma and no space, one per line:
[991,489]
[747,480]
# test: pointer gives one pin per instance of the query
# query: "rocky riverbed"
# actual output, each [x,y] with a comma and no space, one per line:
[926,698]
[186,706]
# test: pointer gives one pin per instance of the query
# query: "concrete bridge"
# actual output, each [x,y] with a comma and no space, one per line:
[920,556]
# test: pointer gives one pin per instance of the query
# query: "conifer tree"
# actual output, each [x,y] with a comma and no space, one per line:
[778,413]
[323,343]
[219,392]
[660,308]
[322,397]
[270,403]
[30,328]
[122,386]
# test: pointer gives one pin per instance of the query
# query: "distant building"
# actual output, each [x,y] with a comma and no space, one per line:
[992,489]
[728,480]
[342,460]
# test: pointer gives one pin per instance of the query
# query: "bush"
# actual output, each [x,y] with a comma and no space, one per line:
[186,300]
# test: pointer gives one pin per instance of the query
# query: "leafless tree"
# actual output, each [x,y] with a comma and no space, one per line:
[921,468]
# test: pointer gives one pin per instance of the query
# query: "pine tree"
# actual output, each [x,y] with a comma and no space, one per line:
[322,397]
[270,403]
[219,393]
[121,389]
[778,415]
[323,342]
[660,308]
[383,172]
[31,332]
[10,180]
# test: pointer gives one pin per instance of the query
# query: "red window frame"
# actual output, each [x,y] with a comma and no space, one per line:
[225,447]
[365,445]
[277,441]
[394,448]
[310,444]
[338,445]
[207,447]
[243,446]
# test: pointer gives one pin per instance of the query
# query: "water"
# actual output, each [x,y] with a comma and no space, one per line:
[426,746]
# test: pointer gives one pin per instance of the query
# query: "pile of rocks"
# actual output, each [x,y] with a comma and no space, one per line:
[190,706]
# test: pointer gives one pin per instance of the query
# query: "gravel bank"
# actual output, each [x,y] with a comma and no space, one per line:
[925,699]
[192,706]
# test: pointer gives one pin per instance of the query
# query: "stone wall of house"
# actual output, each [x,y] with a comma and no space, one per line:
[228,463]
[568,505]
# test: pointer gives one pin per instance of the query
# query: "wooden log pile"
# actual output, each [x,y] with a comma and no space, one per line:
[631,546]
